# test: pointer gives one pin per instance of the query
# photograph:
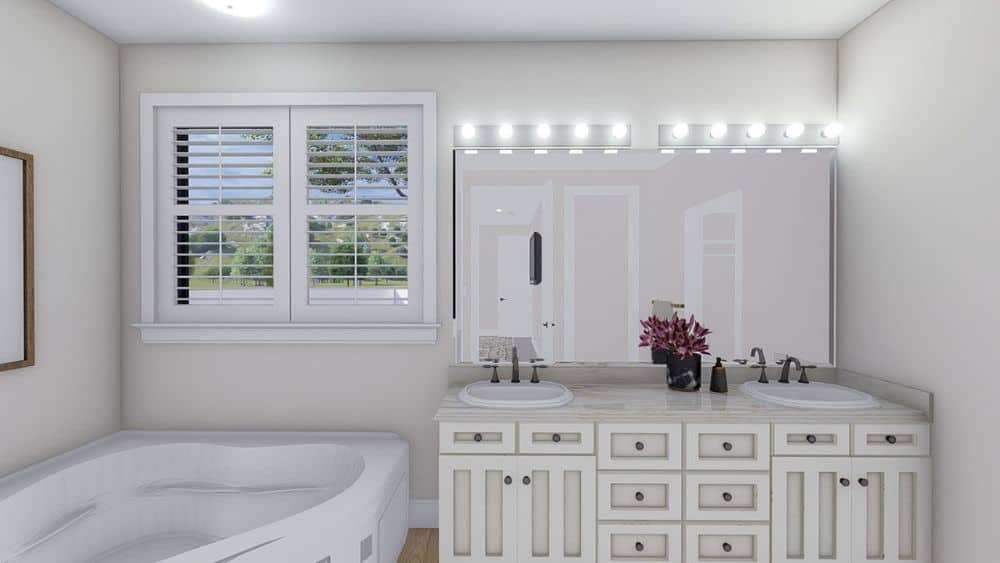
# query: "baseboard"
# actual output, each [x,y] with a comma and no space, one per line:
[423,513]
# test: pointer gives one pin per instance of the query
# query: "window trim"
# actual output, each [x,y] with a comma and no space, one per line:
[153,329]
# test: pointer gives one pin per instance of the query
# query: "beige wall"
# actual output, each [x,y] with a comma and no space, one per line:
[397,388]
[59,101]
[919,251]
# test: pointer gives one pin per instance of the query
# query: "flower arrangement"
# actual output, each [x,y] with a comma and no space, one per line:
[678,336]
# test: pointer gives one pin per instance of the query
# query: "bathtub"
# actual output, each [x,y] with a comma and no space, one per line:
[211,497]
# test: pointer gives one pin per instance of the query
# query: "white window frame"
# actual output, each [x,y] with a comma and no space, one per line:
[420,328]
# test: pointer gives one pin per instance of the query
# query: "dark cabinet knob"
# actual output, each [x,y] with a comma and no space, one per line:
[727,497]
[728,446]
[526,480]
[507,480]
[811,439]
[478,437]
[640,446]
[845,482]
[556,438]
[891,439]
[726,547]
[639,496]
[863,482]
[639,546]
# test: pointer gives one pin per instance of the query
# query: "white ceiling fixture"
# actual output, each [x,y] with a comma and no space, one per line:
[284,21]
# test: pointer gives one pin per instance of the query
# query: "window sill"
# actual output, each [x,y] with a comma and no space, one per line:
[288,333]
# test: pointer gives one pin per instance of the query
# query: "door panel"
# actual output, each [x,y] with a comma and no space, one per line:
[811,510]
[892,510]
[556,508]
[477,519]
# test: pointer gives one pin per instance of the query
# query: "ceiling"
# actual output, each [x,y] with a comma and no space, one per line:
[191,21]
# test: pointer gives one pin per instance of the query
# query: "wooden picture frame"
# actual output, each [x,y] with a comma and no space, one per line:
[11,286]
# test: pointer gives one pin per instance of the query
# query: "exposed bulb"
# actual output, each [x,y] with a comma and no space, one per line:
[680,131]
[718,130]
[506,131]
[619,131]
[543,131]
[795,130]
[239,8]
[581,131]
[833,130]
[468,131]
[756,130]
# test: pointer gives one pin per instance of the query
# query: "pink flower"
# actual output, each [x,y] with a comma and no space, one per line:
[683,337]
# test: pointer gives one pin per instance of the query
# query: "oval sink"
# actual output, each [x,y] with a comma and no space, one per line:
[809,396]
[522,395]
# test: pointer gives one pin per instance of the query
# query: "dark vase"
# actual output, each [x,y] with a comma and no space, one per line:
[660,355]
[684,374]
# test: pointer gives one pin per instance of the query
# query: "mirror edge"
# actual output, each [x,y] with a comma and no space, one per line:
[28,212]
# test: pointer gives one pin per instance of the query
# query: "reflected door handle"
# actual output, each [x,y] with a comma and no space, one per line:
[548,324]
[503,299]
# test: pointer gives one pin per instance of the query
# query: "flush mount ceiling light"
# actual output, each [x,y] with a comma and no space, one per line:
[239,8]
[543,131]
[468,131]
[833,130]
[680,131]
[619,131]
[795,130]
[718,130]
[506,131]
[756,130]
[581,131]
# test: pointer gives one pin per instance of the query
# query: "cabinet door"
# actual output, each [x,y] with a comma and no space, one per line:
[477,508]
[811,511]
[892,510]
[556,508]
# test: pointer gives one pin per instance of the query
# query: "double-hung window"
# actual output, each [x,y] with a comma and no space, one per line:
[295,221]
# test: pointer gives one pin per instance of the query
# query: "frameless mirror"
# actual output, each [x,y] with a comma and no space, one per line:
[17,345]
[741,241]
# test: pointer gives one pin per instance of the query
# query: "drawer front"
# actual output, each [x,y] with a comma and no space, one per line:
[556,438]
[728,446]
[638,496]
[892,439]
[711,544]
[812,439]
[728,496]
[476,438]
[639,542]
[639,446]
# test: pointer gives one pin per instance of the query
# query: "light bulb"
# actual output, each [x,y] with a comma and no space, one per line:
[795,130]
[833,130]
[718,130]
[756,130]
[468,131]
[239,8]
[581,131]
[619,130]
[506,131]
[680,131]
[543,131]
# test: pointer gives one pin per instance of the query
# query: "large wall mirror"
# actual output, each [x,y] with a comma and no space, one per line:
[17,343]
[563,254]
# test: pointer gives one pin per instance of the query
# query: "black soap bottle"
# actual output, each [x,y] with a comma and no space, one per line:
[719,384]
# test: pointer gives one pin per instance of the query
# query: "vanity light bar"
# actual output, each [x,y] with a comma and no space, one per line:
[749,135]
[580,135]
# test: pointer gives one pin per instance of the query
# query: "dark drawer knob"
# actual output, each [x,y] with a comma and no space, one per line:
[811,439]
[640,446]
[526,480]
[639,496]
[863,482]
[726,547]
[507,480]
[556,438]
[891,439]
[727,497]
[728,446]
[844,482]
[639,546]
[478,437]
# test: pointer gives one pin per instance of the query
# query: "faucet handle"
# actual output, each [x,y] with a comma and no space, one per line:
[802,373]
[741,361]
[495,364]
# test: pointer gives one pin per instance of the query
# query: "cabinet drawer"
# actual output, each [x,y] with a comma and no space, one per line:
[812,439]
[638,496]
[728,446]
[639,446]
[639,542]
[476,438]
[892,439]
[556,438]
[711,544]
[728,496]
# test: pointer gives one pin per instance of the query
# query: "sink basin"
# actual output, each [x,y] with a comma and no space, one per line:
[809,396]
[522,395]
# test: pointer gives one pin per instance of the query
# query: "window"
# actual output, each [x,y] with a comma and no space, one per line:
[288,221]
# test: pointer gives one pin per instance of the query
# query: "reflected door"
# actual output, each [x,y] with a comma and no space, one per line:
[514,310]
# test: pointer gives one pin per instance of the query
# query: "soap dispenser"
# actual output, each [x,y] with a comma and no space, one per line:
[719,384]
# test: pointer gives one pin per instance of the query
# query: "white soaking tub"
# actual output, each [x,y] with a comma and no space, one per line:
[211,497]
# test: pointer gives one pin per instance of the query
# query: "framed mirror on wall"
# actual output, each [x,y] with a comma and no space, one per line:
[562,254]
[17,278]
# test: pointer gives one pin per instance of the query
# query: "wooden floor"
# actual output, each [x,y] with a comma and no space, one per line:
[421,546]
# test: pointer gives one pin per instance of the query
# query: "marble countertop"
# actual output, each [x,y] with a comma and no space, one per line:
[656,403]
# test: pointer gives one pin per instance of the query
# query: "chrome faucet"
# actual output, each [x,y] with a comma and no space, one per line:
[515,376]
[762,362]
[785,367]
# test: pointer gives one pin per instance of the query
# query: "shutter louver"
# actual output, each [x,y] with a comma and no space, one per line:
[357,164]
[358,260]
